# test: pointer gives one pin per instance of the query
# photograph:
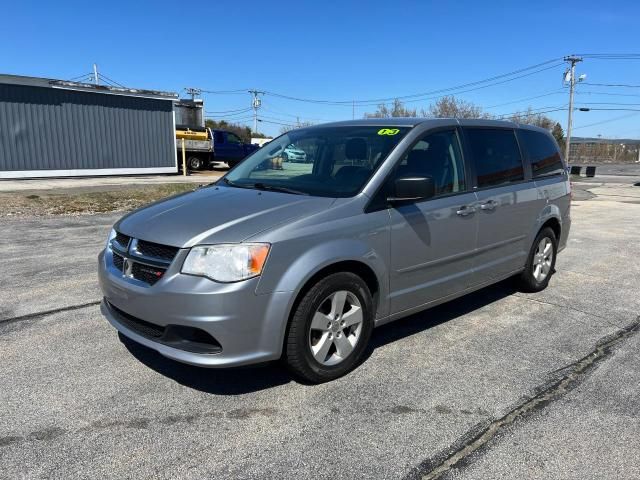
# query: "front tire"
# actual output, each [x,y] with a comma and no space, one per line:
[330,328]
[541,262]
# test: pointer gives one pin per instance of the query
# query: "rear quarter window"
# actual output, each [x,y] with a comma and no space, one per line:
[542,153]
[496,156]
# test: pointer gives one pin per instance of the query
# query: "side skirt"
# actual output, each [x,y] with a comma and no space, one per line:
[439,301]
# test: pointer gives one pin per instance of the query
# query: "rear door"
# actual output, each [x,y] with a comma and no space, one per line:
[507,199]
[433,241]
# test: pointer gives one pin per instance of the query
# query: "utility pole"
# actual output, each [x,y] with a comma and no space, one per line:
[572,83]
[194,92]
[95,74]
[256,103]
[353,110]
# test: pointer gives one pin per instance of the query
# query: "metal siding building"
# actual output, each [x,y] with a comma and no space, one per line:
[56,128]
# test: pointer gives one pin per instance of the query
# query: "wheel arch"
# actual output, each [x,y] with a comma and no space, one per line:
[356,267]
[549,216]
[554,224]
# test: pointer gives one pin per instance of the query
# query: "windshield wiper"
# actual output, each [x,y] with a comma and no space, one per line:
[276,188]
[234,184]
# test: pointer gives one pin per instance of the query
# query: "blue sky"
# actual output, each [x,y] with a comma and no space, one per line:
[337,51]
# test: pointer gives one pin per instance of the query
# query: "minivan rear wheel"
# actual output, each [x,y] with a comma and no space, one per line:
[541,262]
[330,328]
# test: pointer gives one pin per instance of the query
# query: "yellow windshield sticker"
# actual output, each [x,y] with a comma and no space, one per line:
[388,131]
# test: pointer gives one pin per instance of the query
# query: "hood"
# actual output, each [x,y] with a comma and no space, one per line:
[217,214]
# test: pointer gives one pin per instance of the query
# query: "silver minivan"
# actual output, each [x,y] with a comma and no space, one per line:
[300,261]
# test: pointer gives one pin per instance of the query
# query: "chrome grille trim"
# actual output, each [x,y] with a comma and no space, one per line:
[133,264]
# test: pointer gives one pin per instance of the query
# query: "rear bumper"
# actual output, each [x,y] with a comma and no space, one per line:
[248,327]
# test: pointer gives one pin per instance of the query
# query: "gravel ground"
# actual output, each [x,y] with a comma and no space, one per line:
[497,384]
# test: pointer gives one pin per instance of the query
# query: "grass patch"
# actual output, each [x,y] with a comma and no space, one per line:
[88,202]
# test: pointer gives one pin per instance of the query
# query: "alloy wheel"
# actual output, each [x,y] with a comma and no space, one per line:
[543,259]
[335,328]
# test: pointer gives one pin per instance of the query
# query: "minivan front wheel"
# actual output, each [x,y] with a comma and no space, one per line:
[540,262]
[330,328]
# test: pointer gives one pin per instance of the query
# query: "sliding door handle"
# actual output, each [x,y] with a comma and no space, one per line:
[466,210]
[490,205]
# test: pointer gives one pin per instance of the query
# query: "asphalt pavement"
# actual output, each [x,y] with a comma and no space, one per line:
[498,384]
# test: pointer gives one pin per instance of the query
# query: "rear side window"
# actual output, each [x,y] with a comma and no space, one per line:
[496,156]
[542,152]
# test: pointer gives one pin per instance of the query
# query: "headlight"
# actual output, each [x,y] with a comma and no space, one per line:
[227,262]
[112,235]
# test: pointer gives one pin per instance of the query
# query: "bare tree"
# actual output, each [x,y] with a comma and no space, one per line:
[452,107]
[529,117]
[397,110]
[288,128]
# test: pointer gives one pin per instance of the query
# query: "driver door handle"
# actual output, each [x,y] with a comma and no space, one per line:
[490,205]
[466,210]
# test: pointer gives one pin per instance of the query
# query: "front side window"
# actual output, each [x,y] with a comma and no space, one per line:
[321,161]
[436,155]
[496,156]
[542,153]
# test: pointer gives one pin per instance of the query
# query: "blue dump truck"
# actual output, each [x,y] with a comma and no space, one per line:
[204,145]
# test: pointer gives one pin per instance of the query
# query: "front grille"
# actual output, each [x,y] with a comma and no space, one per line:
[142,260]
[145,329]
[122,240]
[146,273]
[118,261]
[149,249]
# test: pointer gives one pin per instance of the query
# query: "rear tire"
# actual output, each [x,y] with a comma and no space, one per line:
[195,163]
[541,262]
[330,328]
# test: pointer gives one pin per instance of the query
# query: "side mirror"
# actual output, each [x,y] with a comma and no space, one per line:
[412,188]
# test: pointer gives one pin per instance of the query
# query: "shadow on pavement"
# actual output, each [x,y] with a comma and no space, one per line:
[237,381]
[442,313]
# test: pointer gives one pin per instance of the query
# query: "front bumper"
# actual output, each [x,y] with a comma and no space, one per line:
[249,327]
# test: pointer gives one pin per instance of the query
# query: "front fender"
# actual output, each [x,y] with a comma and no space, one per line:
[284,275]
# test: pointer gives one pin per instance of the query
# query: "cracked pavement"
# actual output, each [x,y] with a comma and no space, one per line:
[77,401]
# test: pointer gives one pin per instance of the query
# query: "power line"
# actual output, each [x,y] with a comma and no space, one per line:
[239,110]
[617,109]
[609,94]
[225,92]
[611,56]
[611,85]
[615,119]
[103,76]
[415,96]
[229,120]
[277,123]
[86,76]
[536,111]
[609,103]
[554,92]
[267,106]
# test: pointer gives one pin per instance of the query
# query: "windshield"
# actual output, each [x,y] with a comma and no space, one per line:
[319,161]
